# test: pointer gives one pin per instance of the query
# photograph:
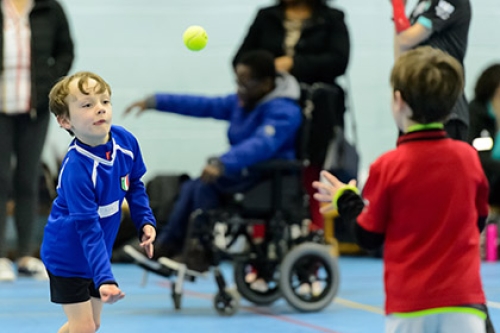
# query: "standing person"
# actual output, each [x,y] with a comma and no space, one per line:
[426,201]
[103,166]
[443,24]
[309,40]
[263,117]
[35,50]
[485,120]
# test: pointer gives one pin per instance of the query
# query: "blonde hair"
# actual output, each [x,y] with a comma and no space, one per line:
[430,82]
[59,92]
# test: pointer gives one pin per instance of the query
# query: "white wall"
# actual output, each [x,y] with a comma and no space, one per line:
[137,47]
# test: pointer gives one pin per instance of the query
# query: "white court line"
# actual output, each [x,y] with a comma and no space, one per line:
[360,306]
[491,304]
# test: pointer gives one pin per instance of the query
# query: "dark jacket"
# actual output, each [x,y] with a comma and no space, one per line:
[481,121]
[322,52]
[51,50]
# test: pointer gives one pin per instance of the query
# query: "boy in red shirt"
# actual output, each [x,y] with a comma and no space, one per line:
[426,201]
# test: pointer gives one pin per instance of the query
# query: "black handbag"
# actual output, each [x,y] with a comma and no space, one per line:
[323,108]
[342,158]
[325,144]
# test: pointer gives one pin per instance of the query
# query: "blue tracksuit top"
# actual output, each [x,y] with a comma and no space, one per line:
[267,131]
[86,215]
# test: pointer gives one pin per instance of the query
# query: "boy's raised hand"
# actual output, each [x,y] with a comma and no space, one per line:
[327,189]
[148,237]
[110,293]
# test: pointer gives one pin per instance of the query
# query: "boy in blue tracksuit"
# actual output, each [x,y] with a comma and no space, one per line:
[103,166]
[263,117]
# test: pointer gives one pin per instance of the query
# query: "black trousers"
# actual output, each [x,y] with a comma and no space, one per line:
[21,144]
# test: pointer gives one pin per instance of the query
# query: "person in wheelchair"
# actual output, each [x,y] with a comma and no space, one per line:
[310,40]
[264,117]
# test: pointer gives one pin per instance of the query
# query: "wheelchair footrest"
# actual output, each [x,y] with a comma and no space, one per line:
[177,266]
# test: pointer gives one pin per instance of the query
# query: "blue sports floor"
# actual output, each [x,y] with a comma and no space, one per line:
[25,305]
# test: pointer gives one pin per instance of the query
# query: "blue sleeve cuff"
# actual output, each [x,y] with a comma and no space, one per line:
[425,22]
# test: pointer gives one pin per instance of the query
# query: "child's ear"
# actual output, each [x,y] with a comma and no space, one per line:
[400,103]
[64,122]
[397,99]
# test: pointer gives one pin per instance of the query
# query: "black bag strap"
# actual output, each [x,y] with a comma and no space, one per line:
[307,112]
[349,108]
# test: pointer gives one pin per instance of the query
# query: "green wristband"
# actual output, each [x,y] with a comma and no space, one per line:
[341,191]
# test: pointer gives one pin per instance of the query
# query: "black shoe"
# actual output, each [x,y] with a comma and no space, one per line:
[146,263]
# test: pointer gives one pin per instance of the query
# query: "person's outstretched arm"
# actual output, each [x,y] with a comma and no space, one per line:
[188,105]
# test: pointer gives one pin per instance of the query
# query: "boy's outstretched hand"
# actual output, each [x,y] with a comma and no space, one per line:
[110,293]
[327,189]
[148,237]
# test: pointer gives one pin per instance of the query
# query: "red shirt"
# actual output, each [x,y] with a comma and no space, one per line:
[426,196]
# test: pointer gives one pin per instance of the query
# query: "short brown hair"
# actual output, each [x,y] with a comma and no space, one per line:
[430,82]
[59,92]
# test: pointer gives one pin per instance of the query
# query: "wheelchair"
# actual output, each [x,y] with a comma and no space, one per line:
[294,263]
[287,259]
[290,259]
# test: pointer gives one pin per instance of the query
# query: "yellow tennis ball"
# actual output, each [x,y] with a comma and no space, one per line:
[195,38]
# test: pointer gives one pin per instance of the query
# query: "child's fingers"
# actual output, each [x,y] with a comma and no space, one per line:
[317,185]
[149,235]
[326,209]
[331,179]
[146,241]
[323,188]
[149,248]
[322,197]
[120,296]
[115,298]
[111,298]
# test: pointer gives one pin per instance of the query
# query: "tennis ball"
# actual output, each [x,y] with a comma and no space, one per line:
[195,38]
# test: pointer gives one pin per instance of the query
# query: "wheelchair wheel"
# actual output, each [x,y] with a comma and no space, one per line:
[242,268]
[227,303]
[309,277]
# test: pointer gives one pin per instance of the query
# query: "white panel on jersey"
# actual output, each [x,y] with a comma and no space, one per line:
[108,210]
